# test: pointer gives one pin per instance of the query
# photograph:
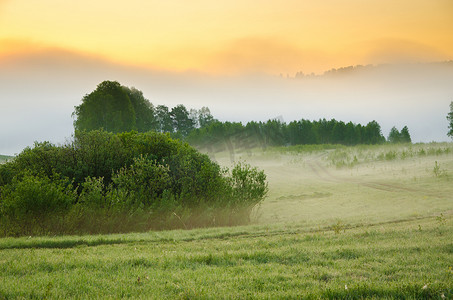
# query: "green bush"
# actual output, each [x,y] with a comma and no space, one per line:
[248,184]
[105,182]
[29,202]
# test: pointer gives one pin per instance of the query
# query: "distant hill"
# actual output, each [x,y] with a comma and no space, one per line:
[387,69]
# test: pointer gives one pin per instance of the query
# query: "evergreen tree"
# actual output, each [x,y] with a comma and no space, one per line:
[373,134]
[394,136]
[405,136]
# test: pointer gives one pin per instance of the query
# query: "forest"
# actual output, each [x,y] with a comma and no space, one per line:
[117,108]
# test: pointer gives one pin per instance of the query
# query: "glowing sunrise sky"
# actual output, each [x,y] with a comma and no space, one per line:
[229,37]
[228,56]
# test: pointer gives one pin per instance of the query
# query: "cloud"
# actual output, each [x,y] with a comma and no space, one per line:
[266,55]
[402,51]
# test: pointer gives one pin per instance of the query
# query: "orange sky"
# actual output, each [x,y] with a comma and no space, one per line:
[230,37]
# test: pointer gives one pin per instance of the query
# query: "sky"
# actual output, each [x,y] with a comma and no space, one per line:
[219,53]
[220,37]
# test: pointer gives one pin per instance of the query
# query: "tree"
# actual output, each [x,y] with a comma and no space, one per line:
[394,135]
[338,133]
[108,107]
[145,119]
[373,134]
[450,118]
[204,117]
[405,136]
[181,120]
[350,135]
[163,118]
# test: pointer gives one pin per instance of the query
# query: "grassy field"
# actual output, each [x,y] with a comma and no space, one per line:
[360,222]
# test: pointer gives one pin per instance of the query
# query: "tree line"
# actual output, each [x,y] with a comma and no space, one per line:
[116,108]
[277,133]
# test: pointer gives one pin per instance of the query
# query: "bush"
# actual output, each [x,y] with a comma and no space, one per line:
[249,185]
[29,202]
[105,182]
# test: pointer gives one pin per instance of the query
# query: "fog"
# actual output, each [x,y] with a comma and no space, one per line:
[39,92]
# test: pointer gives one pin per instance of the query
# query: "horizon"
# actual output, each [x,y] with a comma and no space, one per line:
[229,57]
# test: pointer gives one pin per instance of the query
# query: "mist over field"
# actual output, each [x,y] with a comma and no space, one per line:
[40,90]
[320,208]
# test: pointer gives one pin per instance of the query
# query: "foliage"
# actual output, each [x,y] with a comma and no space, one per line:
[29,200]
[182,123]
[134,176]
[338,227]
[450,119]
[219,136]
[394,136]
[249,185]
[108,107]
[405,136]
[399,137]
[164,120]
[4,158]
[116,108]
[145,119]
[438,172]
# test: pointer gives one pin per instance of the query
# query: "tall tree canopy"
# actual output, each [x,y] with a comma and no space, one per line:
[164,120]
[108,107]
[116,108]
[145,119]
[182,122]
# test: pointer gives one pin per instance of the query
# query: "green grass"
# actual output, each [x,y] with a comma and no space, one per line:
[382,228]
[393,260]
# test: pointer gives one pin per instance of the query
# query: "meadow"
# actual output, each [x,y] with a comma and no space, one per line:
[339,222]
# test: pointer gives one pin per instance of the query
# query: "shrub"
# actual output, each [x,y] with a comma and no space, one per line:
[105,182]
[249,187]
[29,202]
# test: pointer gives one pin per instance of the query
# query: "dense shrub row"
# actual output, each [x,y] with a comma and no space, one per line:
[104,182]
